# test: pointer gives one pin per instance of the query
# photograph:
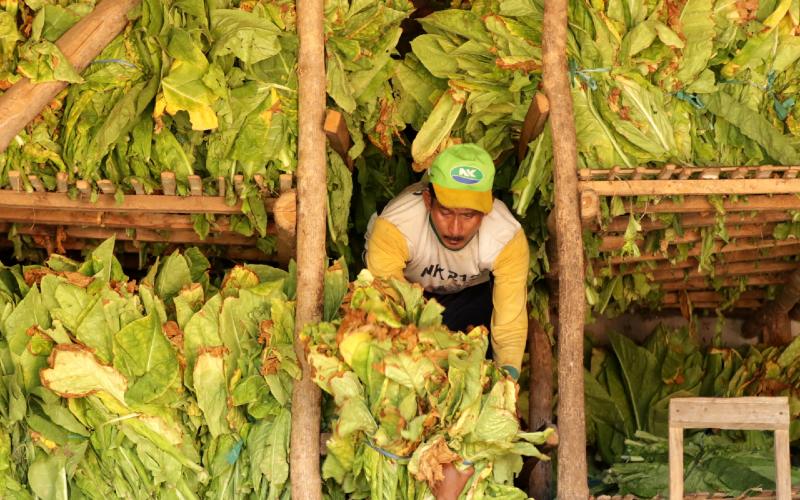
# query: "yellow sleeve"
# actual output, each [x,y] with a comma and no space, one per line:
[388,251]
[510,301]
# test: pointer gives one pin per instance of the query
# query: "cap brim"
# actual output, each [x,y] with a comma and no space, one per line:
[458,198]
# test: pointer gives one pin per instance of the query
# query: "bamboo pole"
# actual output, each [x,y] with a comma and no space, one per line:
[311,232]
[80,45]
[572,471]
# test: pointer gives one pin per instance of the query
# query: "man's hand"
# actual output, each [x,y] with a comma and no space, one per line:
[454,481]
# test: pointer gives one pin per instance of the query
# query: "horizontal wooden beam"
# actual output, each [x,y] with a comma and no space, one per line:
[691,187]
[611,243]
[690,221]
[150,203]
[753,413]
[704,283]
[181,236]
[711,296]
[732,252]
[741,304]
[735,269]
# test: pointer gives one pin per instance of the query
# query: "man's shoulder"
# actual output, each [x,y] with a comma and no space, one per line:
[406,206]
[500,220]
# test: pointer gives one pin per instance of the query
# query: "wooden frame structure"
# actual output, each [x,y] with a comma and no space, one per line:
[748,413]
[57,222]
[755,199]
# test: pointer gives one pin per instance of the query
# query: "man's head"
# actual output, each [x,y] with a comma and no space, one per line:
[460,193]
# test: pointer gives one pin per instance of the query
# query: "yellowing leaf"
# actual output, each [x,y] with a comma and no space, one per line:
[75,372]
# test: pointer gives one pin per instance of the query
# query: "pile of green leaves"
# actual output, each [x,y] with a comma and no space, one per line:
[175,387]
[198,87]
[411,396]
[712,463]
[628,387]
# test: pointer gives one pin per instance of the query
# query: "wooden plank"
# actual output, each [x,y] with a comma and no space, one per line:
[535,119]
[695,187]
[753,413]
[84,189]
[36,183]
[338,136]
[738,305]
[15,180]
[137,185]
[783,466]
[667,171]
[168,183]
[711,296]
[736,251]
[620,224]
[675,463]
[710,173]
[106,186]
[611,243]
[61,182]
[694,204]
[704,283]
[590,208]
[221,184]
[146,235]
[195,185]
[735,269]
[132,203]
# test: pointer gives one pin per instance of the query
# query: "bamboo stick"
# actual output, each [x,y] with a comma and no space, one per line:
[572,470]
[311,233]
[82,43]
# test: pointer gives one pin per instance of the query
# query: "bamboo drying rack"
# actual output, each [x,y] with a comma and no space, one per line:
[57,222]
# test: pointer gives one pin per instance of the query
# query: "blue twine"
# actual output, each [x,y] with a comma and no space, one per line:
[782,108]
[233,455]
[585,74]
[398,458]
[690,98]
[116,61]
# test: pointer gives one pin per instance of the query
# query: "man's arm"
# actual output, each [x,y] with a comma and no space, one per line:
[387,252]
[510,299]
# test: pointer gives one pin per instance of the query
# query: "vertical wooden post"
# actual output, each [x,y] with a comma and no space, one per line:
[311,233]
[80,44]
[540,406]
[572,471]
[783,465]
[675,463]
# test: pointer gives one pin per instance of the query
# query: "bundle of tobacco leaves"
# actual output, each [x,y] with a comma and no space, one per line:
[412,396]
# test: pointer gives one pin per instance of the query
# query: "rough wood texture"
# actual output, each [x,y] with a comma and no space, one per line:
[572,470]
[338,135]
[755,413]
[82,43]
[540,409]
[771,320]
[535,119]
[695,187]
[286,222]
[133,203]
[311,234]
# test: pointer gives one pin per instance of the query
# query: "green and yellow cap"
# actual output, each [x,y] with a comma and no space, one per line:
[462,177]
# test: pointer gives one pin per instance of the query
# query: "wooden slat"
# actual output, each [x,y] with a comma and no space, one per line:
[37,183]
[168,183]
[748,413]
[695,187]
[183,236]
[106,186]
[132,203]
[338,136]
[711,296]
[195,185]
[783,465]
[688,221]
[15,180]
[731,252]
[221,185]
[667,171]
[675,462]
[695,204]
[740,304]
[704,283]
[710,173]
[238,183]
[611,243]
[735,269]
[83,187]
[535,119]
[137,185]
[61,182]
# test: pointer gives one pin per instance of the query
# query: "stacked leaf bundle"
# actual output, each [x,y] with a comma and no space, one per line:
[201,87]
[412,396]
[628,389]
[170,388]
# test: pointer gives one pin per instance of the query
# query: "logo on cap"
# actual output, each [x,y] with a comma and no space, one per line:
[466,175]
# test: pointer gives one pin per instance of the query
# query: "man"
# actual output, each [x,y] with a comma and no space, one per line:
[465,248]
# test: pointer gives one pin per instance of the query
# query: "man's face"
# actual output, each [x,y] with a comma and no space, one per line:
[455,226]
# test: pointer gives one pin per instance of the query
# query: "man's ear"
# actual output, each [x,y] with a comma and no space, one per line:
[426,197]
